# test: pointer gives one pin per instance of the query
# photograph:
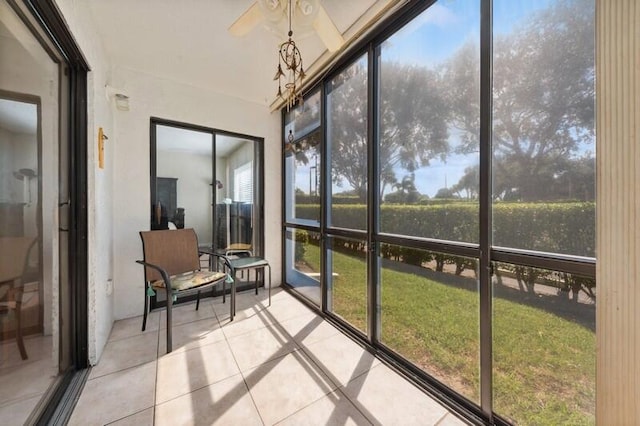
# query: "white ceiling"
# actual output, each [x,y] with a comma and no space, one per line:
[187,41]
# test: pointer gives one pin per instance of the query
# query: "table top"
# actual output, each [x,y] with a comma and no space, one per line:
[237,262]
[247,262]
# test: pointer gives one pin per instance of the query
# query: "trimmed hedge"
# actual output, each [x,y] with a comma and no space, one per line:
[567,228]
[336,199]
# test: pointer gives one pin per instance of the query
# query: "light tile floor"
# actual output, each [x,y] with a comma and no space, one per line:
[281,365]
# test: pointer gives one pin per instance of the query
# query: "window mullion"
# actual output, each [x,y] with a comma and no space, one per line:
[486,376]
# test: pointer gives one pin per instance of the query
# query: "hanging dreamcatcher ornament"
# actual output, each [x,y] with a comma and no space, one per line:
[290,72]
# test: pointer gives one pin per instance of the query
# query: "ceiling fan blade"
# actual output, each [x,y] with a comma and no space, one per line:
[327,30]
[247,21]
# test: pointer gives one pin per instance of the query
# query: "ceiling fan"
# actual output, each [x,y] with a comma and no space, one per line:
[307,15]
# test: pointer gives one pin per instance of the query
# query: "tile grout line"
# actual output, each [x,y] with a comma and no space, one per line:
[277,324]
[197,389]
[181,353]
[244,380]
[125,368]
[309,354]
[323,373]
[137,318]
[339,386]
[130,415]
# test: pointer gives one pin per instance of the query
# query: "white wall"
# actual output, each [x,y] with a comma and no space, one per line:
[151,96]
[194,192]
[7,185]
[100,181]
[18,151]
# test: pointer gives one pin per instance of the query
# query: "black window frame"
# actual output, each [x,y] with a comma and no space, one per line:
[484,250]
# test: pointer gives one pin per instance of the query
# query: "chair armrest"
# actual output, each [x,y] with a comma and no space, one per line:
[163,273]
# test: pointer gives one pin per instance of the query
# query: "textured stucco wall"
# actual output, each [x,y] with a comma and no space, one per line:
[100,181]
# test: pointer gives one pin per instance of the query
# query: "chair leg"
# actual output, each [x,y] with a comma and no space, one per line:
[169,317]
[19,341]
[232,308]
[198,300]
[256,272]
[224,290]
[269,266]
[146,308]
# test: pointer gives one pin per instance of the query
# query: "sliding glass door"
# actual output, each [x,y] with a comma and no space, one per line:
[43,255]
[208,180]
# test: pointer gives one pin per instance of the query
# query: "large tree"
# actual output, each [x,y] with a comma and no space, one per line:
[543,98]
[413,123]
[467,186]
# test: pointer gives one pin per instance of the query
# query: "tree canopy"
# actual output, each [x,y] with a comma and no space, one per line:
[413,125]
[543,99]
[543,112]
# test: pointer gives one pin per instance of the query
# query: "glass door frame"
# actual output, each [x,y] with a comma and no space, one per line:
[45,21]
[258,171]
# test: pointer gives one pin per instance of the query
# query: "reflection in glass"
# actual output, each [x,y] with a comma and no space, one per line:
[27,365]
[543,126]
[429,124]
[347,139]
[348,280]
[430,314]
[183,183]
[302,171]
[302,263]
[34,327]
[236,226]
[304,118]
[544,346]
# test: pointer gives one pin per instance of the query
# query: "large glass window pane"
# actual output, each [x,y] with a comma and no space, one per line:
[347,261]
[302,263]
[544,346]
[347,139]
[184,177]
[429,124]
[430,314]
[543,126]
[302,180]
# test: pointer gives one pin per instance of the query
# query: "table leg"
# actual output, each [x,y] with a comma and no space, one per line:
[233,295]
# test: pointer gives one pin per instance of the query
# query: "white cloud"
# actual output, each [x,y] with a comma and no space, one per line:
[439,15]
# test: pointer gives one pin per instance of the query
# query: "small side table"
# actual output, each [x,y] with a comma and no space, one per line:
[247,263]
[236,263]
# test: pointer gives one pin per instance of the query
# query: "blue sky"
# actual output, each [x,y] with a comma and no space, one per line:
[430,39]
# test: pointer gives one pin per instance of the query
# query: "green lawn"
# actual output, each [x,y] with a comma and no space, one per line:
[544,365]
